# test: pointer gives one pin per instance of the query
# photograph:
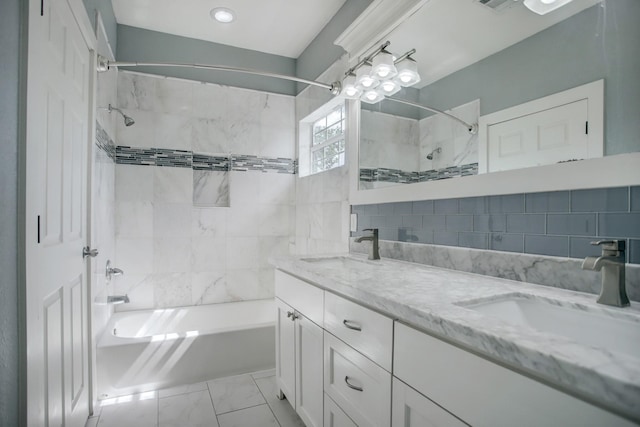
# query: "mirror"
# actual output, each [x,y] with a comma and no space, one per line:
[481,65]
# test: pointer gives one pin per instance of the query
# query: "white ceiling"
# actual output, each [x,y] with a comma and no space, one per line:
[449,35]
[280,27]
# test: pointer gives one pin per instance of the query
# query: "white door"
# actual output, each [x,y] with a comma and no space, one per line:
[309,371]
[542,138]
[285,352]
[56,220]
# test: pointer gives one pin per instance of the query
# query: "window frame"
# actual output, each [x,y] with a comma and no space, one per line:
[320,147]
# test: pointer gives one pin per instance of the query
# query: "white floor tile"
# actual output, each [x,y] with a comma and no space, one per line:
[182,389]
[233,393]
[282,409]
[139,413]
[257,416]
[187,410]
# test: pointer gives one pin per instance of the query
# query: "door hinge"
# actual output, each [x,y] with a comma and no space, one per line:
[41,7]
[586,128]
[38,228]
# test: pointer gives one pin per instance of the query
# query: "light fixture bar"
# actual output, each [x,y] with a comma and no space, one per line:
[368,58]
[104,65]
[472,128]
[404,56]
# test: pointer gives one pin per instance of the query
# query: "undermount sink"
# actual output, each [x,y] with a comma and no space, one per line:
[341,262]
[619,334]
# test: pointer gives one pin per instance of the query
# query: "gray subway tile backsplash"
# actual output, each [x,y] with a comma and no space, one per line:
[546,245]
[556,201]
[526,223]
[446,206]
[509,203]
[506,242]
[459,223]
[559,223]
[572,224]
[635,199]
[619,224]
[600,200]
[490,222]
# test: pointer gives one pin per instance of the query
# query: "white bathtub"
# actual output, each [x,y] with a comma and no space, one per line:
[152,349]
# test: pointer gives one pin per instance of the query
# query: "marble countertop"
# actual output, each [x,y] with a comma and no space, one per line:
[429,298]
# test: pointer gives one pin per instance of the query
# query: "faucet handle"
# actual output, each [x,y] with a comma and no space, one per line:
[610,245]
[373,230]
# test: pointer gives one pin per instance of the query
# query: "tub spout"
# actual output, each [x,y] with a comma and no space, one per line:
[118,299]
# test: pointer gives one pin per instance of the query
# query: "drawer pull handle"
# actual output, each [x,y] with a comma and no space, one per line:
[346,380]
[351,325]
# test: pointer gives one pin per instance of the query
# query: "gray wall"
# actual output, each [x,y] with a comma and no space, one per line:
[137,44]
[108,18]
[10,29]
[322,52]
[600,42]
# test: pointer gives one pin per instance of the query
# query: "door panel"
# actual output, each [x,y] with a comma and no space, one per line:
[309,371]
[57,143]
[285,352]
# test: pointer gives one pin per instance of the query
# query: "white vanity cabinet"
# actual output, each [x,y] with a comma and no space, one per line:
[299,347]
[412,409]
[482,393]
[334,416]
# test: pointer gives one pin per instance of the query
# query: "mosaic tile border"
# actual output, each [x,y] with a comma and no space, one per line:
[187,159]
[104,142]
[407,177]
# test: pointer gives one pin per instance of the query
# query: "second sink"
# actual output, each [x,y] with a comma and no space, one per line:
[596,328]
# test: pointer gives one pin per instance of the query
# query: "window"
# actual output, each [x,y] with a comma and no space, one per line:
[327,141]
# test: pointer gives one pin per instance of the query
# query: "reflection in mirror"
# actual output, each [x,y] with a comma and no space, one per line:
[400,149]
[520,58]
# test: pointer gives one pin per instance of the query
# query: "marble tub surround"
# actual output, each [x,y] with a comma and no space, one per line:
[564,273]
[429,298]
[177,254]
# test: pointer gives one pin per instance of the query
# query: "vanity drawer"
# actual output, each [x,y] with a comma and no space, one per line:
[334,416]
[302,296]
[482,393]
[365,330]
[360,387]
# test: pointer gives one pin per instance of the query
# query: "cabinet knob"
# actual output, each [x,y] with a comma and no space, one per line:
[289,313]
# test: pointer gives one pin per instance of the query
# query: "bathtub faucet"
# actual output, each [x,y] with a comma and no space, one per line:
[118,299]
[611,262]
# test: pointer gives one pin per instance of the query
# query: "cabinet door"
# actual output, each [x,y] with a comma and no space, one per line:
[309,369]
[285,352]
[411,409]
[334,416]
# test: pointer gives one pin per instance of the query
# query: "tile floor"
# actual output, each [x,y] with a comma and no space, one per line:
[239,401]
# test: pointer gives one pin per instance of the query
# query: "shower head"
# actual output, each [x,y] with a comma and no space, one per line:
[430,155]
[128,121]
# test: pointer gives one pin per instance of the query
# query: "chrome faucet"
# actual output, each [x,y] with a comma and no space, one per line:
[613,272]
[118,299]
[375,253]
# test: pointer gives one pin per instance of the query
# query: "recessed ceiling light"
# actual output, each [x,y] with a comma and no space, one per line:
[223,15]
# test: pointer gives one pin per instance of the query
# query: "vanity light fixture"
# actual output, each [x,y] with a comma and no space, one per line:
[372,96]
[222,15]
[359,81]
[350,88]
[407,72]
[365,78]
[542,7]
[383,66]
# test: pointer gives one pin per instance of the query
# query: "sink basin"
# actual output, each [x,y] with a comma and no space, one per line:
[619,334]
[341,262]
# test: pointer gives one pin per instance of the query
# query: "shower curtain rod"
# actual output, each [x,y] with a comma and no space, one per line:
[335,88]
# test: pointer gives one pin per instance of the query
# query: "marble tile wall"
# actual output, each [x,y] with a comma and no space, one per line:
[176,252]
[322,206]
[457,146]
[388,141]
